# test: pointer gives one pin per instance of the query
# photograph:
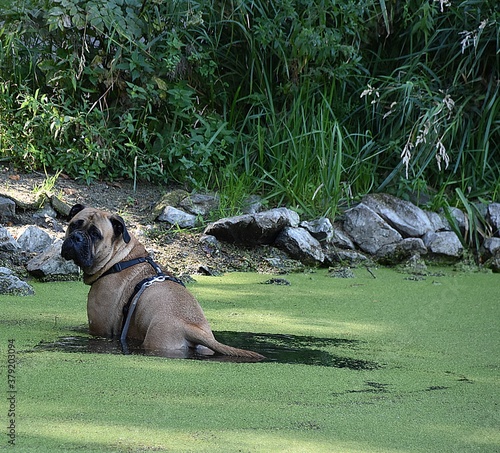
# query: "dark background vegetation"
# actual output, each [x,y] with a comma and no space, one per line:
[308,103]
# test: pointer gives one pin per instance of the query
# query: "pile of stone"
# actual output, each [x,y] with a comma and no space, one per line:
[381,228]
[36,251]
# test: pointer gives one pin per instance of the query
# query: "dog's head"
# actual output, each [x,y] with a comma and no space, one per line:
[93,237]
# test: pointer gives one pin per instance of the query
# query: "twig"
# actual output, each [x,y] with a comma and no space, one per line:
[370,271]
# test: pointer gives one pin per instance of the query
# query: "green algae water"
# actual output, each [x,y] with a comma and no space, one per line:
[376,363]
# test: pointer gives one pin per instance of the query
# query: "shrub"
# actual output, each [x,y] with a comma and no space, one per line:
[310,103]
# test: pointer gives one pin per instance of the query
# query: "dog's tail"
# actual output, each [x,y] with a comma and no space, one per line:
[231,351]
[205,337]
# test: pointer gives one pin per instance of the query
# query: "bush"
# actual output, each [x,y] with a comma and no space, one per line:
[311,104]
[102,89]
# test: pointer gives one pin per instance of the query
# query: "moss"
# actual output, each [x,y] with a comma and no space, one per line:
[435,386]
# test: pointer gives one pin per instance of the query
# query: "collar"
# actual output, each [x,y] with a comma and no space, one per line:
[122,265]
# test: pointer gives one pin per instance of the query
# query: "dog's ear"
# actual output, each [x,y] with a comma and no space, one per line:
[120,228]
[75,210]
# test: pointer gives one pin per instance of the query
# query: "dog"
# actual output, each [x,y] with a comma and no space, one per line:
[162,313]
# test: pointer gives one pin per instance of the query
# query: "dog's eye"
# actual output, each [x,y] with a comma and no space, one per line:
[94,233]
[75,225]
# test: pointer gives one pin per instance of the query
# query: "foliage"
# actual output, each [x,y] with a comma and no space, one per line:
[311,104]
[98,89]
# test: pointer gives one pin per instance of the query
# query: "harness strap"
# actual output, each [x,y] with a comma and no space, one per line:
[122,265]
[129,308]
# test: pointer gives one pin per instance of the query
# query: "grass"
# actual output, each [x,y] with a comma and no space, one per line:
[436,388]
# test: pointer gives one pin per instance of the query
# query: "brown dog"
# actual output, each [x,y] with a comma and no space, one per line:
[166,317]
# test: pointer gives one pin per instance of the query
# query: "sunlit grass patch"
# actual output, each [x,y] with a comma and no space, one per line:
[429,380]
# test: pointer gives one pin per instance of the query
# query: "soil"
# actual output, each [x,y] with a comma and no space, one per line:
[180,251]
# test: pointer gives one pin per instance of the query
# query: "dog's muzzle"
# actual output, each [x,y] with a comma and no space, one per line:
[76,247]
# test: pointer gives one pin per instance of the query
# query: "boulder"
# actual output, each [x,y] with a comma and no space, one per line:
[12,285]
[438,221]
[253,229]
[50,264]
[409,220]
[335,255]
[401,251]
[7,209]
[493,216]
[252,204]
[320,229]
[34,240]
[444,243]
[368,229]
[177,217]
[460,219]
[7,242]
[491,246]
[340,238]
[300,245]
[200,204]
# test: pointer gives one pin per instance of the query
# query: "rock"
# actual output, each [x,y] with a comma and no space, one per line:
[177,217]
[252,204]
[320,229]
[209,240]
[253,229]
[60,206]
[7,242]
[491,246]
[173,198]
[481,209]
[460,219]
[209,244]
[46,218]
[340,238]
[200,204]
[51,264]
[277,281]
[493,216]
[494,264]
[368,229]
[408,219]
[207,270]
[300,245]
[438,221]
[12,285]
[396,253]
[7,209]
[413,265]
[343,272]
[334,255]
[281,263]
[46,211]
[34,239]
[445,243]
